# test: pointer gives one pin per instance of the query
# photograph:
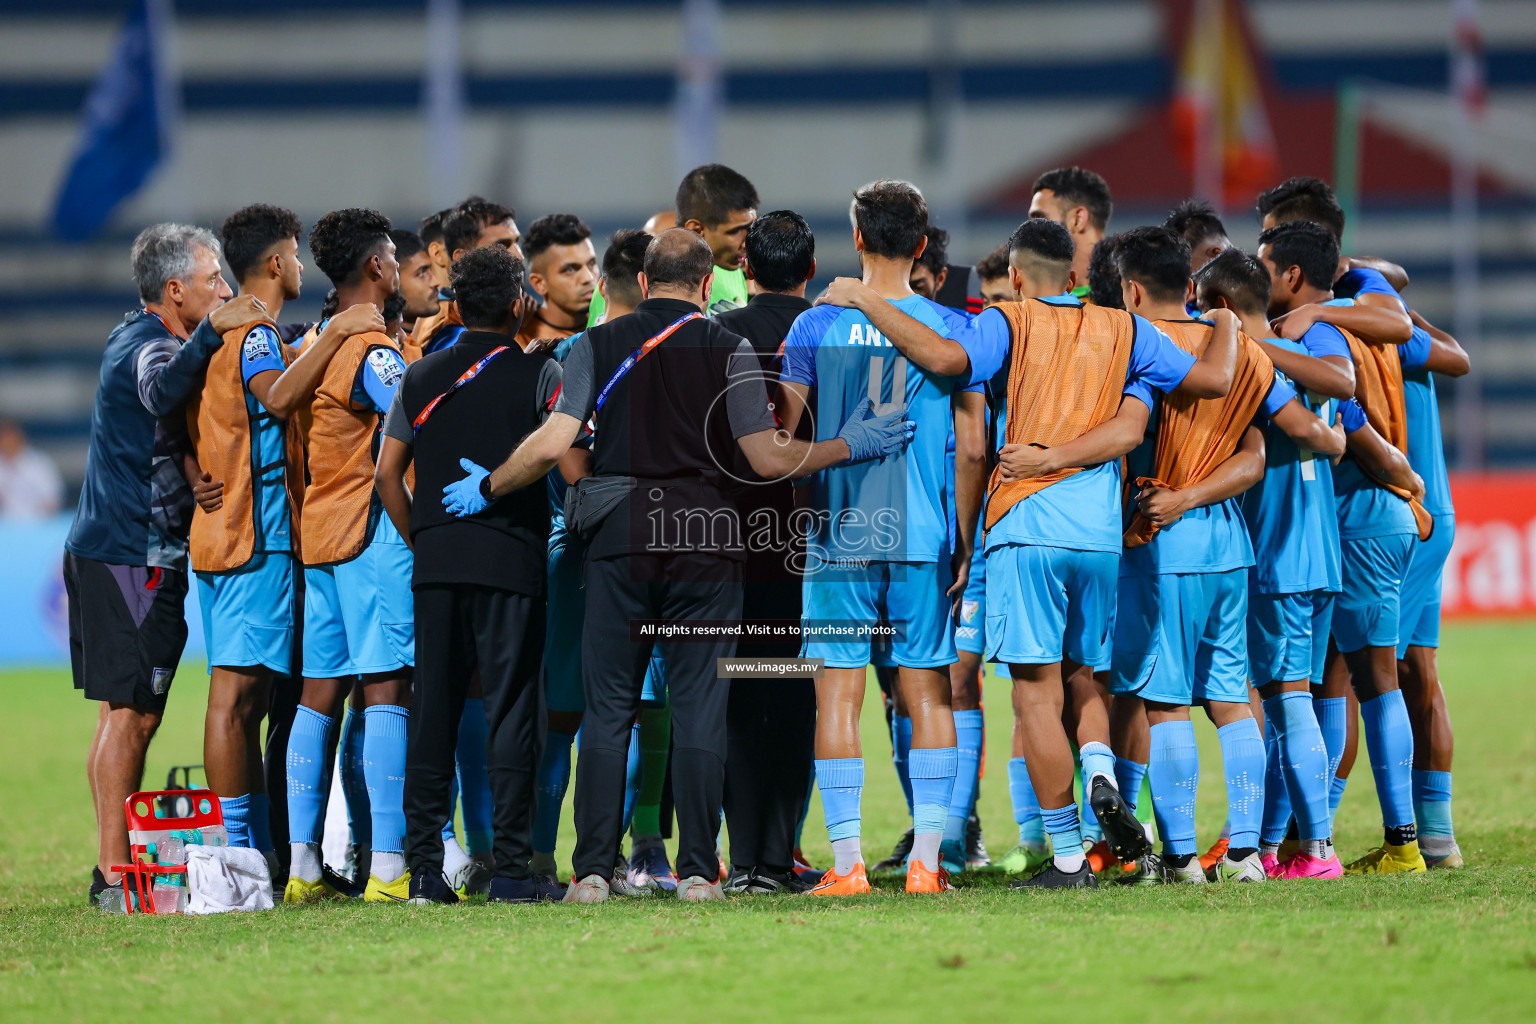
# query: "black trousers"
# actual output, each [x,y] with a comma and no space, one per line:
[457,627]
[771,729]
[612,670]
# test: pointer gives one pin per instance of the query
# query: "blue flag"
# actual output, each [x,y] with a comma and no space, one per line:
[125,129]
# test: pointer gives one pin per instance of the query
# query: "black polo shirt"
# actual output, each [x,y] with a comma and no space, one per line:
[671,421]
[504,546]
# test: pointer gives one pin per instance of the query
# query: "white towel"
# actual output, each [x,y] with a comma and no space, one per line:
[224,878]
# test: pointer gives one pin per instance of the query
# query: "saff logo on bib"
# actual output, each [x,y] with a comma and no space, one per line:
[387,365]
[256,345]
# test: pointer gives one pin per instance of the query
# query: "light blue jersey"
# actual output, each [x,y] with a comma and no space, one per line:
[893,509]
[262,351]
[1291,516]
[1082,512]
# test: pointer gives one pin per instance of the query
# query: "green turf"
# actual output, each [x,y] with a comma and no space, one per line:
[1440,947]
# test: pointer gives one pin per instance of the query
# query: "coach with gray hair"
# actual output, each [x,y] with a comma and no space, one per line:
[125,561]
[671,396]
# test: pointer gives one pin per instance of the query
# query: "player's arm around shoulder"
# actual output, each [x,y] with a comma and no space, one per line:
[282,393]
[1212,373]
[912,338]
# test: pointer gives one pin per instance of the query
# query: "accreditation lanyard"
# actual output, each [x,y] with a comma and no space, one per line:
[639,354]
[464,378]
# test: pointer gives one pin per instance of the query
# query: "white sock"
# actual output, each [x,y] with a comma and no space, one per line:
[387,867]
[925,849]
[1106,777]
[454,860]
[306,861]
[1269,849]
[1322,849]
[845,854]
[1070,860]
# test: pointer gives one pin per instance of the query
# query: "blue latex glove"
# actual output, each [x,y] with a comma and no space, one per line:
[874,437]
[462,497]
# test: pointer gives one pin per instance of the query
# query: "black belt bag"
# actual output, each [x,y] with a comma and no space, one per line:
[592,499]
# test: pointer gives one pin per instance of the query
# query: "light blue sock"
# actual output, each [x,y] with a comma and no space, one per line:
[968,733]
[307,741]
[901,751]
[1095,758]
[1242,758]
[1026,807]
[261,822]
[1175,774]
[384,768]
[453,801]
[551,782]
[933,785]
[1277,798]
[841,781]
[1432,804]
[1304,758]
[633,775]
[1333,719]
[1129,776]
[474,777]
[353,787]
[1389,741]
[1065,829]
[236,811]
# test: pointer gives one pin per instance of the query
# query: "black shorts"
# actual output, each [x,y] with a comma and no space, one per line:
[127,628]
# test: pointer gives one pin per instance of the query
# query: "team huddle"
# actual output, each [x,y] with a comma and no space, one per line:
[433,536]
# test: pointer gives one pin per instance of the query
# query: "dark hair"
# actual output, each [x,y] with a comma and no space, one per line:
[677,256]
[485,282]
[554,229]
[1157,259]
[936,253]
[711,193]
[994,264]
[1080,187]
[342,241]
[462,226]
[407,243]
[1303,198]
[1041,239]
[331,306]
[394,307]
[1235,276]
[1104,274]
[623,261]
[1305,244]
[248,233]
[892,216]
[780,250]
[1195,220]
[431,227]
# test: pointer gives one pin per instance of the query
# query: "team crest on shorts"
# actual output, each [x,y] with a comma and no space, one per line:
[387,365]
[968,610]
[160,680]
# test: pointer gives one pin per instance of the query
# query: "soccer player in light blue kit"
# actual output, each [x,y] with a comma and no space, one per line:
[877,540]
[1377,533]
[1053,551]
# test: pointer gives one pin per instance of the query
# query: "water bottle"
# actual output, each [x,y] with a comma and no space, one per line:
[172,851]
[111,900]
[170,896]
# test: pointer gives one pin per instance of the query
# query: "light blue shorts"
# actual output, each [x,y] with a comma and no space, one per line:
[248,614]
[1288,636]
[1045,604]
[909,596]
[567,613]
[1182,637]
[1419,625]
[359,617]
[971,632]
[1369,610]
[653,690]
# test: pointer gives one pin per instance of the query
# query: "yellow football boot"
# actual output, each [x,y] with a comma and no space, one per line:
[1387,859]
[380,891]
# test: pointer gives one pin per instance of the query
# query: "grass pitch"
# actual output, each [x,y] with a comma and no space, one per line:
[1446,946]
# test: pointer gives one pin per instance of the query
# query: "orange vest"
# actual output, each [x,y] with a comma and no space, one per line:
[1195,435]
[219,424]
[1379,390]
[338,503]
[1066,377]
[426,326]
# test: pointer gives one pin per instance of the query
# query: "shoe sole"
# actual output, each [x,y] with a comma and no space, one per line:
[1124,834]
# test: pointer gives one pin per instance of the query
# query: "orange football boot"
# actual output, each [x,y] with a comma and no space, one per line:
[1209,858]
[1099,857]
[854,883]
[920,879]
